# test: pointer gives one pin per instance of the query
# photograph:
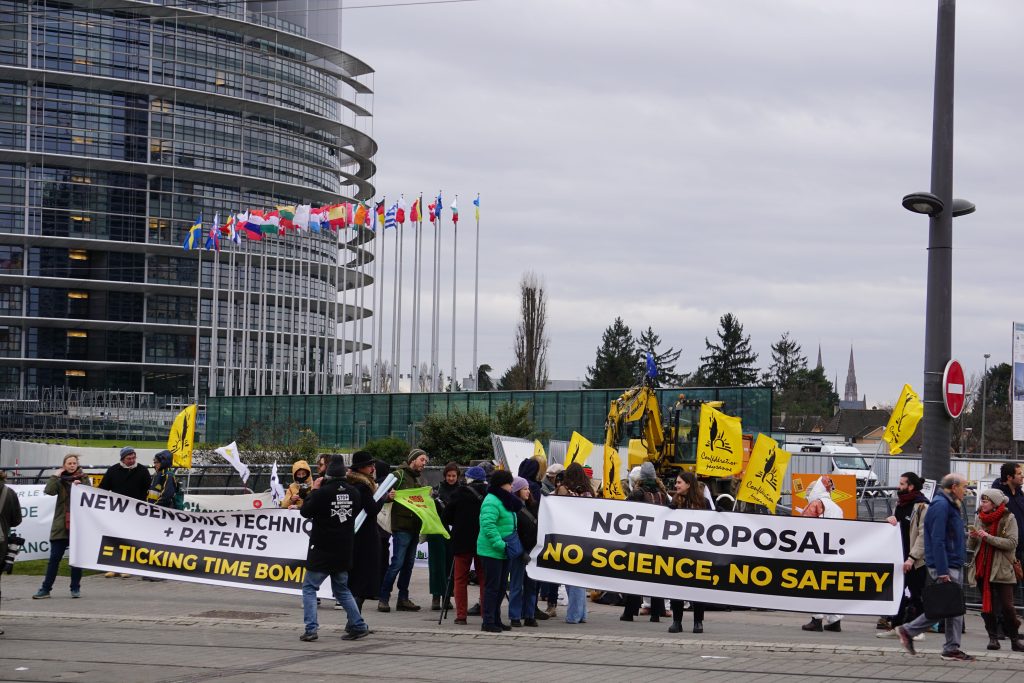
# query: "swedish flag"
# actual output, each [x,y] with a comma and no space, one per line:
[194,236]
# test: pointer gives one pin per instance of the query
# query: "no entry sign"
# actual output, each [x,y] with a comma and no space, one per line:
[953,392]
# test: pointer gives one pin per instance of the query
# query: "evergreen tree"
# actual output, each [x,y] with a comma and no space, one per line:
[666,360]
[617,359]
[483,378]
[787,359]
[806,392]
[514,379]
[731,362]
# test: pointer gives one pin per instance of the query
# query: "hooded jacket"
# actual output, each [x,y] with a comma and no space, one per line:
[528,470]
[163,486]
[333,508]
[297,489]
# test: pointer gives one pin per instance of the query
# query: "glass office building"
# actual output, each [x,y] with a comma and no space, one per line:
[121,121]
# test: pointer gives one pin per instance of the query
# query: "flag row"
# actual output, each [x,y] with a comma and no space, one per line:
[254,224]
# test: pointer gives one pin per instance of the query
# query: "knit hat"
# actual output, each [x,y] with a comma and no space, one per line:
[634,475]
[475,473]
[413,454]
[518,484]
[488,467]
[528,469]
[555,469]
[126,451]
[647,470]
[995,495]
[336,466]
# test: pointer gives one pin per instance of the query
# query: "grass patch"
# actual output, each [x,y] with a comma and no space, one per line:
[38,568]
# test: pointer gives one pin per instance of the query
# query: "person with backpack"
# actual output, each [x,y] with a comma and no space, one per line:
[70,474]
[10,517]
[163,489]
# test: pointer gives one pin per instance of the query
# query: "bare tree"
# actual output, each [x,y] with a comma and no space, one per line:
[531,344]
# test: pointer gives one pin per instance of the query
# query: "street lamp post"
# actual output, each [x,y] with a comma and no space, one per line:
[940,207]
[984,400]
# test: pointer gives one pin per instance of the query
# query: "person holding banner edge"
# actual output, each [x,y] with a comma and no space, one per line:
[332,505]
[944,558]
[575,483]
[128,479]
[70,474]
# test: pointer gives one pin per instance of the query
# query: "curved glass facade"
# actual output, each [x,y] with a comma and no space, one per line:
[121,121]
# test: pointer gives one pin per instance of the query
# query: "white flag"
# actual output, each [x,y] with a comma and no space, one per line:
[230,453]
[276,490]
[301,219]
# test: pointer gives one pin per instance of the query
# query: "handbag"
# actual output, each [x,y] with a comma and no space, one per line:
[384,517]
[943,599]
[513,546]
[1018,571]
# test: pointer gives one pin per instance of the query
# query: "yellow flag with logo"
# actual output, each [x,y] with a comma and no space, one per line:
[538,450]
[182,437]
[907,412]
[612,484]
[579,449]
[719,443]
[762,480]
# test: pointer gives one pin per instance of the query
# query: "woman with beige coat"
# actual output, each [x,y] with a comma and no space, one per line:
[994,535]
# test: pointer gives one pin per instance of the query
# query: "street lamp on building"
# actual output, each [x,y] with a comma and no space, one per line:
[984,400]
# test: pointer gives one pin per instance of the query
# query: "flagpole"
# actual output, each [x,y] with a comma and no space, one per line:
[380,318]
[211,381]
[376,309]
[340,314]
[229,333]
[455,261]
[361,324]
[199,290]
[417,229]
[476,296]
[246,300]
[261,334]
[398,328]
[434,319]
[394,313]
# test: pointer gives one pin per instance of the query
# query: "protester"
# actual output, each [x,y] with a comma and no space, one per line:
[522,591]
[405,531]
[163,487]
[689,495]
[462,517]
[550,482]
[820,504]
[528,470]
[439,548]
[497,525]
[300,487]
[129,479]
[10,517]
[645,487]
[1011,484]
[332,505]
[575,483]
[944,558]
[365,575]
[909,514]
[996,537]
[59,485]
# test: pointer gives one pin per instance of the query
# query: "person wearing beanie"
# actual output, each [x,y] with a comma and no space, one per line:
[522,590]
[300,487]
[462,516]
[439,548]
[332,505]
[128,479]
[405,533]
[497,533]
[995,537]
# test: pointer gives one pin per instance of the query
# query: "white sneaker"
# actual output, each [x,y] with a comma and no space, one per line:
[891,633]
[919,637]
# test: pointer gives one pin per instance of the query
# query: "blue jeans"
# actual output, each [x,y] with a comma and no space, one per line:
[339,586]
[495,584]
[577,610]
[522,592]
[57,550]
[954,625]
[402,561]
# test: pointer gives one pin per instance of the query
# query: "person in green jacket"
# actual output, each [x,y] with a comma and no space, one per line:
[497,529]
[70,474]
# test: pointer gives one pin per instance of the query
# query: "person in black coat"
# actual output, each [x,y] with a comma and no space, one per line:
[127,477]
[365,576]
[333,506]
[462,516]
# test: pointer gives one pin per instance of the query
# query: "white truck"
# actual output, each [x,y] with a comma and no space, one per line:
[847,460]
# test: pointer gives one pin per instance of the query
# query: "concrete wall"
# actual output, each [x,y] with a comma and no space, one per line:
[29,454]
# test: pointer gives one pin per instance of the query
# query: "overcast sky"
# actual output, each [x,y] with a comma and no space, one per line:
[671,161]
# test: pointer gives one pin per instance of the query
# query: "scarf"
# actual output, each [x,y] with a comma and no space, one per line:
[68,479]
[911,497]
[512,503]
[986,553]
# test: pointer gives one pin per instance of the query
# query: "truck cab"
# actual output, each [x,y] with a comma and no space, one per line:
[846,460]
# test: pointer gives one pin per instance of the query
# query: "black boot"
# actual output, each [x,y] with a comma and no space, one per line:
[812,625]
[1016,642]
[698,627]
[676,627]
[992,627]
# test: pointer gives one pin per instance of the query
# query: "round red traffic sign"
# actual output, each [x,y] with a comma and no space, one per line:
[953,391]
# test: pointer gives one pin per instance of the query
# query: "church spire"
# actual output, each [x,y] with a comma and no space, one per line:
[819,366]
[851,380]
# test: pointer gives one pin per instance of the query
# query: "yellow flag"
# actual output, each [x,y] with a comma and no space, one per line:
[182,437]
[612,483]
[579,449]
[719,443]
[538,450]
[903,421]
[762,481]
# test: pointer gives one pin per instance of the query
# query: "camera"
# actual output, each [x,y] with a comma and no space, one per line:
[303,490]
[14,545]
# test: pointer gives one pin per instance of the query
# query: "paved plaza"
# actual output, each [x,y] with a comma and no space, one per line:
[130,630]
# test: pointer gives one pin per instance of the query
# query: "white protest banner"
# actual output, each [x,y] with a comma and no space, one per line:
[241,501]
[787,563]
[36,519]
[258,549]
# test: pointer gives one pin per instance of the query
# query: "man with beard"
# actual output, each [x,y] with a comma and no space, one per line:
[909,514]
[128,479]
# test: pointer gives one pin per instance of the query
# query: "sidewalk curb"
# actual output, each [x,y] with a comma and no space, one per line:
[518,635]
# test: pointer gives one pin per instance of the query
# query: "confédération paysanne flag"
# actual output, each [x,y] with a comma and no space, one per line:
[766,470]
[578,450]
[719,443]
[182,437]
[611,485]
[907,412]
[421,503]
